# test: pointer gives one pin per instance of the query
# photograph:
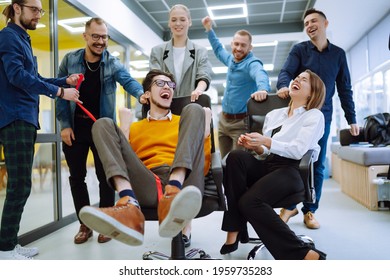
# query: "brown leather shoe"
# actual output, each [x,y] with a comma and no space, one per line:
[177,208]
[83,235]
[123,222]
[103,239]
[286,214]
[310,221]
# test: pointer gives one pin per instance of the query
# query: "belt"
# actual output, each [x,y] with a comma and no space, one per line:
[234,116]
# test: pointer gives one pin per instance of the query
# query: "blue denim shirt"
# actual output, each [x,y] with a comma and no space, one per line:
[242,79]
[111,71]
[331,66]
[20,82]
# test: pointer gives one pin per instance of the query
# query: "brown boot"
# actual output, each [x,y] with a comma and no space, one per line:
[177,208]
[123,222]
[83,235]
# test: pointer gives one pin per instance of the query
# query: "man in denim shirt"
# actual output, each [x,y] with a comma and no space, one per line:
[20,87]
[98,93]
[246,78]
[330,63]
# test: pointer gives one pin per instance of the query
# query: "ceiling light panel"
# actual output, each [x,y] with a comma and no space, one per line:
[228,11]
[74,25]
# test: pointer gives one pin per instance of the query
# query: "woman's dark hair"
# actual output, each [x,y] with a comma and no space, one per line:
[147,83]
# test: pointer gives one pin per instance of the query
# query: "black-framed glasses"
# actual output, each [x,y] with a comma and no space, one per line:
[161,83]
[35,10]
[96,37]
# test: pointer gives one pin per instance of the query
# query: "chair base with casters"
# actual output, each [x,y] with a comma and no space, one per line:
[211,202]
[260,245]
[178,252]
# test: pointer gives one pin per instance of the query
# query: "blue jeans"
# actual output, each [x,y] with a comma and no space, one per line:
[319,169]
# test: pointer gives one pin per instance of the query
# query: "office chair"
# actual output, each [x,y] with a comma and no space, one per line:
[255,120]
[44,162]
[213,197]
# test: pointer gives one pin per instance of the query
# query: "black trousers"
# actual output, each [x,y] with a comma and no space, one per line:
[253,189]
[76,158]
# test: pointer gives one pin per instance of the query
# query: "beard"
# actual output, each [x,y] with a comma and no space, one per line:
[28,24]
[239,55]
[96,53]
[158,104]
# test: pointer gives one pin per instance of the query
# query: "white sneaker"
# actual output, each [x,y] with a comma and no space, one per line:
[12,255]
[27,252]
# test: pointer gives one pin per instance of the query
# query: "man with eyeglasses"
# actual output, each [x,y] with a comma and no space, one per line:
[165,150]
[20,87]
[101,72]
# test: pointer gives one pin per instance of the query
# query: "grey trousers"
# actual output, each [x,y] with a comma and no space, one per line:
[228,133]
[119,159]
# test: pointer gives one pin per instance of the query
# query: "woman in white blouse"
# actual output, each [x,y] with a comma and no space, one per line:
[253,186]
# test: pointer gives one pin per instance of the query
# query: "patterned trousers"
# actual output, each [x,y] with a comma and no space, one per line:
[18,139]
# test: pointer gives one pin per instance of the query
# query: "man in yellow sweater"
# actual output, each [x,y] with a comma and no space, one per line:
[165,150]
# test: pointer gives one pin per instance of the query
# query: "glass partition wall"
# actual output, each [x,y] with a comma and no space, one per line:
[50,205]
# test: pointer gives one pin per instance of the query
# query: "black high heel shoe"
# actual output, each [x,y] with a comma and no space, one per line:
[229,248]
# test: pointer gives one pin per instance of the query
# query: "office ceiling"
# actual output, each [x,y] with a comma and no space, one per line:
[270,21]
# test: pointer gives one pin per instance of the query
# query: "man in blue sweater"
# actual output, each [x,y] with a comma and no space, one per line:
[330,63]
[245,78]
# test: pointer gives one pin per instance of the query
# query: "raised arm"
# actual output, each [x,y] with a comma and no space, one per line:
[125,120]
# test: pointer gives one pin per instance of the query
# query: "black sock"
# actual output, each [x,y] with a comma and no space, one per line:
[175,183]
[133,200]
[127,193]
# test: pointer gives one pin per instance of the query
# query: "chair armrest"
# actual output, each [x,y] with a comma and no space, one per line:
[216,170]
[307,175]
[346,138]
[304,164]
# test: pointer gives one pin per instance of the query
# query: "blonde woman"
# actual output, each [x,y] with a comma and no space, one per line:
[188,62]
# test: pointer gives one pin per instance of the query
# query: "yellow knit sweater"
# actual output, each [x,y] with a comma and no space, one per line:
[155,142]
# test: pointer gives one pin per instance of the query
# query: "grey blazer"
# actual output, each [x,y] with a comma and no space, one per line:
[196,66]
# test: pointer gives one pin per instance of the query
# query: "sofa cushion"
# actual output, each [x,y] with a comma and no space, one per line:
[365,156]
[334,147]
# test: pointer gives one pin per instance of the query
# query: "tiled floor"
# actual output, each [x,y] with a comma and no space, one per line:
[348,232]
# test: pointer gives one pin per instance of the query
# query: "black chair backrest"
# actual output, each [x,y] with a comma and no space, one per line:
[257,110]
[178,103]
